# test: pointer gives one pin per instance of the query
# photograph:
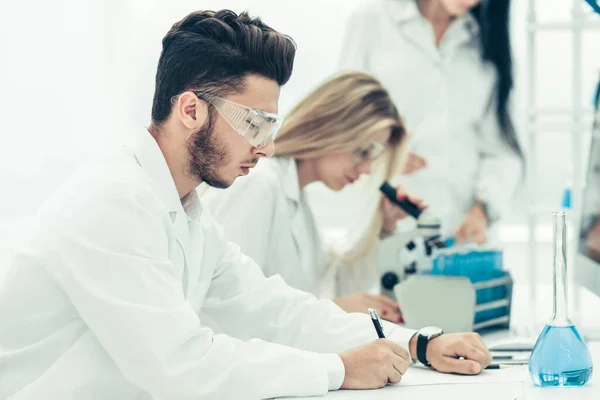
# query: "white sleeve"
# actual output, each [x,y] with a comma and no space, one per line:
[354,54]
[275,312]
[124,286]
[499,166]
[359,275]
[245,210]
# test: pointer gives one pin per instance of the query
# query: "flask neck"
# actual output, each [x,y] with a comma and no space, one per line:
[559,315]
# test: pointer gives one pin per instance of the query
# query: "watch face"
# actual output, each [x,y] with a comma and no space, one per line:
[429,331]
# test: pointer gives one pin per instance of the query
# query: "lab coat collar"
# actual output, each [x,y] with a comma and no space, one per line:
[403,10]
[467,25]
[406,10]
[152,160]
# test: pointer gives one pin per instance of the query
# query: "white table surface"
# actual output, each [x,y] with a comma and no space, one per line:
[521,389]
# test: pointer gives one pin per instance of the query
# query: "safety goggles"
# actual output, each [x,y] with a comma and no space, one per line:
[256,127]
[368,153]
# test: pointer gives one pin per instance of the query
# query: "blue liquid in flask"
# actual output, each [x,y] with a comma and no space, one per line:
[560,356]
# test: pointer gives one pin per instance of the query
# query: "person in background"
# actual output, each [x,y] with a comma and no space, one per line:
[125,287]
[332,136]
[447,65]
[592,240]
[590,227]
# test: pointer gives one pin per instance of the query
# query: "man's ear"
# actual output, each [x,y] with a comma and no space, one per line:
[191,111]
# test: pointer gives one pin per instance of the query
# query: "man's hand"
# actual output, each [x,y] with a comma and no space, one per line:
[463,353]
[374,365]
[361,302]
[474,227]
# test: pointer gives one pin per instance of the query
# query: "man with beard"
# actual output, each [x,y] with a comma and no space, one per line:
[126,289]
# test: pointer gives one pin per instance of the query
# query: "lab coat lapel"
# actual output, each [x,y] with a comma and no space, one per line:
[462,30]
[419,33]
[296,231]
[188,220]
[413,27]
[420,36]
[180,225]
[188,225]
[150,157]
[291,187]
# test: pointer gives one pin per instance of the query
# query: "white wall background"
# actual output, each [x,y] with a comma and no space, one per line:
[72,72]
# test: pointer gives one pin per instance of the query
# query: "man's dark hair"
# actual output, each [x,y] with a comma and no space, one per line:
[214,51]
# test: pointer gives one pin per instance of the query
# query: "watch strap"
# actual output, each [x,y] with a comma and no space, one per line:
[422,341]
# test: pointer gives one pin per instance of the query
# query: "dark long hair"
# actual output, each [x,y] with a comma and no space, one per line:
[493,19]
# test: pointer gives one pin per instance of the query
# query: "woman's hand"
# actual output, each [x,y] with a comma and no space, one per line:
[392,213]
[413,163]
[474,227]
[361,302]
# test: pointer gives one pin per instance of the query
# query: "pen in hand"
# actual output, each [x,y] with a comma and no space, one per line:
[498,366]
[376,323]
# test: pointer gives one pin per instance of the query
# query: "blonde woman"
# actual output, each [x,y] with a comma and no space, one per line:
[332,136]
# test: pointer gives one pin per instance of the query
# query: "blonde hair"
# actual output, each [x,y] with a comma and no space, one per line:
[343,113]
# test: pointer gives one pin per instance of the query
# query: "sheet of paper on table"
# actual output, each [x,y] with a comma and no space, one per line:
[420,376]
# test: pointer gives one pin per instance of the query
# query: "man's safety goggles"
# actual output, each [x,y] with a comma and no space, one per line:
[257,127]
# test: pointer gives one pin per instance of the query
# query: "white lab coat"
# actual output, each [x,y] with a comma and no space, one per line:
[121,292]
[443,96]
[265,213]
[268,215]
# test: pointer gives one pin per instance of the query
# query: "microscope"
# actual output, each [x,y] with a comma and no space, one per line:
[476,290]
[428,230]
